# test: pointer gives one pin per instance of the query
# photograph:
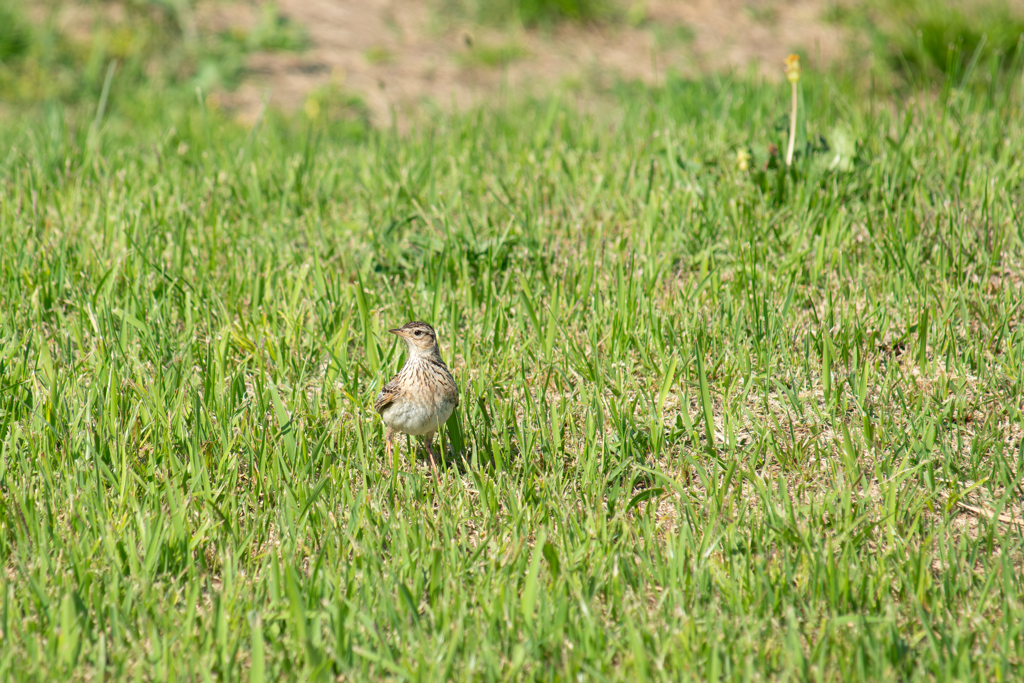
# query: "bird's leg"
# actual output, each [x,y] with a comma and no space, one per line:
[389,438]
[427,439]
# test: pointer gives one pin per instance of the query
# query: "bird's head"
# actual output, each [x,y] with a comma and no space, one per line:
[420,338]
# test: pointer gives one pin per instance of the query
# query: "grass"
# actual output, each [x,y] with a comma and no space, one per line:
[491,55]
[922,39]
[714,424]
[544,13]
[154,45]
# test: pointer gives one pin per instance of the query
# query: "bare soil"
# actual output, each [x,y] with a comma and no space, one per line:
[398,55]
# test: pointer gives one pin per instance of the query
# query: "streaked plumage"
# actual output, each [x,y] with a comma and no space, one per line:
[422,396]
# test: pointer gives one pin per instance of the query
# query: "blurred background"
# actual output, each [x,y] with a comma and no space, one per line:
[393,62]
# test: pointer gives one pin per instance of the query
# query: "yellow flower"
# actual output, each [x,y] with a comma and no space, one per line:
[311,108]
[792,75]
[793,68]
[742,159]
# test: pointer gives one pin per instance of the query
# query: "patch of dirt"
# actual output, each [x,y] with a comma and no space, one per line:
[399,54]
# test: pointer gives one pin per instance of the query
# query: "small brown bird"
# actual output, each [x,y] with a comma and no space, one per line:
[421,397]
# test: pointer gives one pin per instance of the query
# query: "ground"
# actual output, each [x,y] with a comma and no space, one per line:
[396,53]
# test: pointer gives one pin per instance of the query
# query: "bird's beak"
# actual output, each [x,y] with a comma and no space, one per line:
[397,330]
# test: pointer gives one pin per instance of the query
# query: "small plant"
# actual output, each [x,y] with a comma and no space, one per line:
[334,105]
[533,12]
[14,34]
[480,54]
[378,54]
[275,31]
[672,35]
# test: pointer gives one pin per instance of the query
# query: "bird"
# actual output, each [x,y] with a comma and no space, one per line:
[422,396]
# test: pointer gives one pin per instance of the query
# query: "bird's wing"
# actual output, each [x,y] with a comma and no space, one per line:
[386,396]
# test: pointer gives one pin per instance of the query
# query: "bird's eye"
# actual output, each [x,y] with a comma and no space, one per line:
[418,333]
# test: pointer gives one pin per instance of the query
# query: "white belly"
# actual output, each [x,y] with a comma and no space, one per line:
[415,417]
